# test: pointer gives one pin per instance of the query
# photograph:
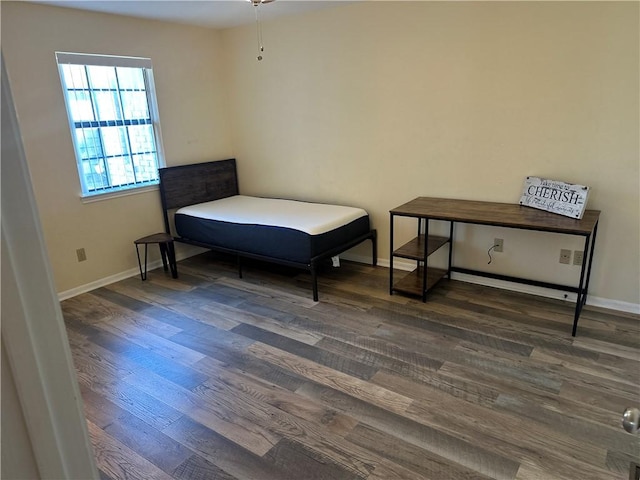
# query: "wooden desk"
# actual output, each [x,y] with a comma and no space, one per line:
[484,213]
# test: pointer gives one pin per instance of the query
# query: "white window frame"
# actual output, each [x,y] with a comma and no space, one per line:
[83,59]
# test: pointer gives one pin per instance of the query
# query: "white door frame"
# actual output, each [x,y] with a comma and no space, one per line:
[33,329]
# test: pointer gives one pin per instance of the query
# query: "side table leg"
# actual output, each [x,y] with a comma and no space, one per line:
[143,276]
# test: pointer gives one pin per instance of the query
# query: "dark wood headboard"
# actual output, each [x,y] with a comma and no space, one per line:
[196,183]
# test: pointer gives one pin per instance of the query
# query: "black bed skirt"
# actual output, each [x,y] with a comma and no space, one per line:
[276,242]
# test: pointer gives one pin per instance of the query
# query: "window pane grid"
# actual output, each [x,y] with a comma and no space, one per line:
[112,123]
[106,157]
[110,111]
[133,170]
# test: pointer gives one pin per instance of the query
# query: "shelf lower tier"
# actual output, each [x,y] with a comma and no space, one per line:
[415,248]
[412,282]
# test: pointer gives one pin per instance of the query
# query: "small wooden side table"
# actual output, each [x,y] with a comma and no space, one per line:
[167,251]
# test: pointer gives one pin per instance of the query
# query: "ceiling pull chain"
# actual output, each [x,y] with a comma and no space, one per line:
[256,5]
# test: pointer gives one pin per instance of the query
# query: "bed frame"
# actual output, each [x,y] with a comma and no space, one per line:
[185,185]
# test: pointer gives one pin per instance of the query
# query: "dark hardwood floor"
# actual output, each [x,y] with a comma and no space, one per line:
[214,377]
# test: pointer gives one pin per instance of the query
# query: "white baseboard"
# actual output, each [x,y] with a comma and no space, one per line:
[614,304]
[87,287]
[400,265]
[548,292]
[132,272]
[512,286]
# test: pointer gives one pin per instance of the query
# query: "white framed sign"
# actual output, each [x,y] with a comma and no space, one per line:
[555,196]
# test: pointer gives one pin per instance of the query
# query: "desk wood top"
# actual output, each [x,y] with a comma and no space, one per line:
[497,214]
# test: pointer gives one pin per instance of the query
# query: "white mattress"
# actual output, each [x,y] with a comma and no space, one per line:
[311,218]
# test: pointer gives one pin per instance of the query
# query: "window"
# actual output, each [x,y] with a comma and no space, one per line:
[114,121]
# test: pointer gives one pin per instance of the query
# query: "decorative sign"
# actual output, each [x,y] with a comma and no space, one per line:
[555,196]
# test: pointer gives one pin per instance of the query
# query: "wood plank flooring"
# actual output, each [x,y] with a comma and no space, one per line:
[214,377]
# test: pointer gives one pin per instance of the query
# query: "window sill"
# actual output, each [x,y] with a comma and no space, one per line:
[122,193]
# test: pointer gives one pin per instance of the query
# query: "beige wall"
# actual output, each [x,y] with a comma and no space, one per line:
[193,113]
[369,104]
[375,103]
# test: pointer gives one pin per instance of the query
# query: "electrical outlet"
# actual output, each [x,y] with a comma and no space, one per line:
[578,256]
[565,256]
[82,256]
[498,244]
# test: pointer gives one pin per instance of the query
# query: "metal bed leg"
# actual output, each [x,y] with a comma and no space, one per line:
[163,254]
[173,264]
[374,248]
[314,281]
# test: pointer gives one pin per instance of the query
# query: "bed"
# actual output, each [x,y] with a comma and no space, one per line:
[207,210]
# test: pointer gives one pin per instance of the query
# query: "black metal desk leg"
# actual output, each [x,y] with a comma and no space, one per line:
[593,245]
[452,223]
[391,256]
[582,289]
[424,262]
